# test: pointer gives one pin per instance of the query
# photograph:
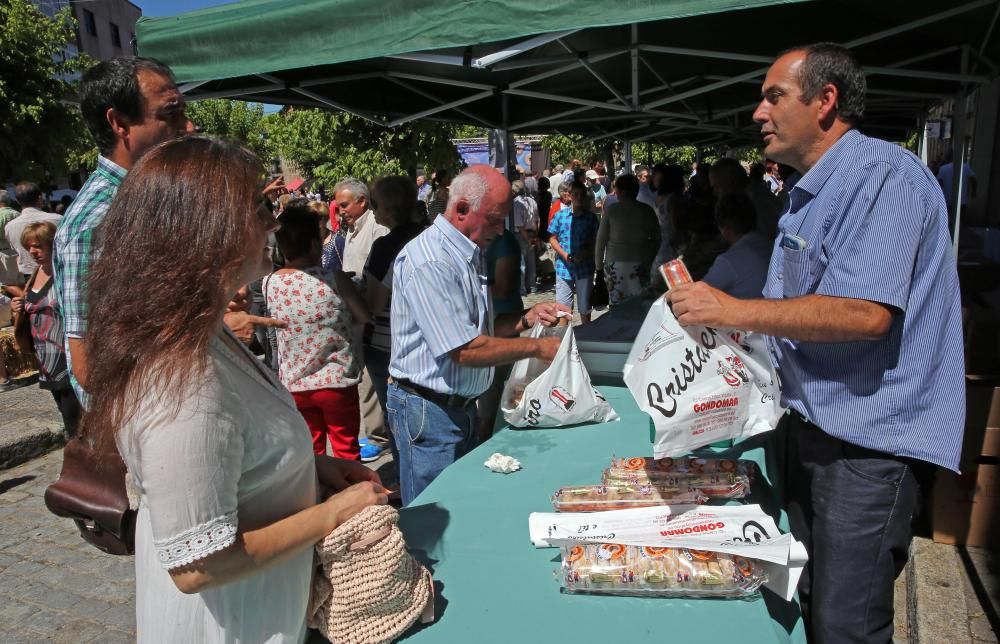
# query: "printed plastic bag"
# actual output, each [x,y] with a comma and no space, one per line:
[700,385]
[555,395]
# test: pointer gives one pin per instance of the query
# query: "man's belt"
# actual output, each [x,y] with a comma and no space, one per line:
[443,400]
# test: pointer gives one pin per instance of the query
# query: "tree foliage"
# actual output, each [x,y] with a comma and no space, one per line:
[329,146]
[41,131]
[237,121]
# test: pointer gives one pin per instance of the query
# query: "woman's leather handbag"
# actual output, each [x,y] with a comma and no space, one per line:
[91,491]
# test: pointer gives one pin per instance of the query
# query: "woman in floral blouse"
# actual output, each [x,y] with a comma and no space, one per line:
[317,357]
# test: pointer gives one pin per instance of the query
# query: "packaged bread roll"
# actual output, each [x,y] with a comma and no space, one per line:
[645,571]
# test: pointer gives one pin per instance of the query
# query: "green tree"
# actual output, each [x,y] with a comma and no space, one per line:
[41,131]
[563,149]
[237,121]
[329,146]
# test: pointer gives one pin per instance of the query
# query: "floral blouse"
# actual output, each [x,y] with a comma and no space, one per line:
[316,350]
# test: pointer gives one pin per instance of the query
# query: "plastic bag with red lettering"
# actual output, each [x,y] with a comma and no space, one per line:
[553,395]
[700,385]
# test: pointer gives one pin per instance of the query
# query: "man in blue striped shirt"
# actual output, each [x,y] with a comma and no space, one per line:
[445,341]
[864,316]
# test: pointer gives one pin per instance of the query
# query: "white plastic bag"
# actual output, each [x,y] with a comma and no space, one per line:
[540,395]
[700,385]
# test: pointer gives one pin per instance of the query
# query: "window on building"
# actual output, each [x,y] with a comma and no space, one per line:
[90,22]
[116,38]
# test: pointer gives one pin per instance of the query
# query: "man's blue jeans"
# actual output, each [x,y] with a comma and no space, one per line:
[428,437]
[852,508]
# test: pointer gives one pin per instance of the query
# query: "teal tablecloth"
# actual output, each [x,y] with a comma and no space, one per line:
[470,526]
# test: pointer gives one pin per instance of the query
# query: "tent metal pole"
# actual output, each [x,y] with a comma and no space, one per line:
[593,72]
[551,117]
[187,87]
[552,60]
[568,99]
[666,85]
[438,80]
[437,59]
[706,88]
[521,47]
[628,155]
[565,68]
[635,67]
[441,108]
[335,105]
[440,101]
[958,125]
[233,93]
[605,135]
[937,17]
[925,148]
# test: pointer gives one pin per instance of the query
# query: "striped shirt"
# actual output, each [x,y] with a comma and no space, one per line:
[72,252]
[440,301]
[875,225]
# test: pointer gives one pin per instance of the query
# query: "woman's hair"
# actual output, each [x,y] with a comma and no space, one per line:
[40,232]
[320,208]
[441,178]
[396,196]
[298,231]
[172,250]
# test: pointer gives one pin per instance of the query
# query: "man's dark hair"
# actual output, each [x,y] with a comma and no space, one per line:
[627,185]
[639,169]
[833,64]
[299,228]
[736,212]
[27,194]
[114,83]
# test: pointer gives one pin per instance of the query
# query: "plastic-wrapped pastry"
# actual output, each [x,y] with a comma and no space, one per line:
[614,569]
[714,486]
[683,465]
[597,498]
[717,478]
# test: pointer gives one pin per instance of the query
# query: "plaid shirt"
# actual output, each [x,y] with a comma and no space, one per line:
[72,251]
[576,234]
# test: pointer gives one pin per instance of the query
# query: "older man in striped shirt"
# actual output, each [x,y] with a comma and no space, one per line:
[445,341]
[863,312]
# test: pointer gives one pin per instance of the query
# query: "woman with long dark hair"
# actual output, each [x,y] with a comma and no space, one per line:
[221,460]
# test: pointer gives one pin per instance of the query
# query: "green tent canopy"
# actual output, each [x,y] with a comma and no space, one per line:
[672,71]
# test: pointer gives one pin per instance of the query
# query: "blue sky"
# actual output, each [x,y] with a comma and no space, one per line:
[157,8]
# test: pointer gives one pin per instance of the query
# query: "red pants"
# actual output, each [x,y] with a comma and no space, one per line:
[334,413]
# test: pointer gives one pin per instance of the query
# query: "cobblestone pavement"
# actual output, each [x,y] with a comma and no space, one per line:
[53,586]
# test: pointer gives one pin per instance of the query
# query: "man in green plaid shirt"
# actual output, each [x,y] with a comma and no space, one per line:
[129,105]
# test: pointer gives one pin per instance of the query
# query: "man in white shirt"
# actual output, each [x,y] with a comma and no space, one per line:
[30,196]
[646,193]
[354,206]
